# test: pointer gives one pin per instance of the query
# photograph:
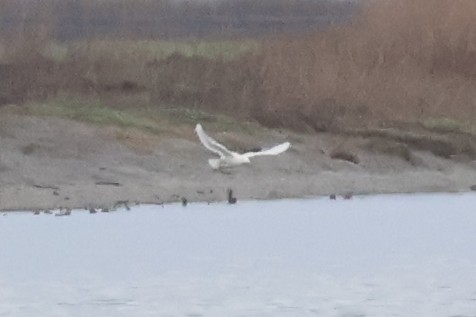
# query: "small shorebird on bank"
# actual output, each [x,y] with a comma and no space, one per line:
[231,199]
[229,158]
[64,212]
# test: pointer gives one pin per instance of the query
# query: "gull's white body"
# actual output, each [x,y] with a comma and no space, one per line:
[230,158]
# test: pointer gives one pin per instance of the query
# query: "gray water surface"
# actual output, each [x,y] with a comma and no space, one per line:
[389,255]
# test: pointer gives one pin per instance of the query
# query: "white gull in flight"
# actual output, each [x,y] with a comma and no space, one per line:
[230,158]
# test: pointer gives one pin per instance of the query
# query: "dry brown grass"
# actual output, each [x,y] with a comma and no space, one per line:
[401,60]
[213,85]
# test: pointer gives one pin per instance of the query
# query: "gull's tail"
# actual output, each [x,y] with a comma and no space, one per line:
[214,163]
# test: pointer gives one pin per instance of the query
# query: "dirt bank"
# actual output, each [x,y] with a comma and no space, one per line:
[48,162]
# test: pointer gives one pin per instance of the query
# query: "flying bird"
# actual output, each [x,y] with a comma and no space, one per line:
[230,158]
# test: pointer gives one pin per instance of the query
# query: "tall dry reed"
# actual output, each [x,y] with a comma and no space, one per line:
[399,60]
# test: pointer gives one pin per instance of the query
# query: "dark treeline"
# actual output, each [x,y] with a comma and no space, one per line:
[74,19]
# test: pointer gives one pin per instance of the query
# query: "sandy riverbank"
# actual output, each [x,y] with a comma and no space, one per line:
[50,162]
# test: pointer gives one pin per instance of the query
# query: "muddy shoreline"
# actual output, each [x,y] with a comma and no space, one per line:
[47,163]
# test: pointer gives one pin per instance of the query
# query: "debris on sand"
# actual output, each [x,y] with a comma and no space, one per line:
[64,212]
[345,156]
[348,195]
[117,184]
[123,203]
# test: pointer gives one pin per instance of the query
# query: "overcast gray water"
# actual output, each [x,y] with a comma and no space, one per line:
[389,255]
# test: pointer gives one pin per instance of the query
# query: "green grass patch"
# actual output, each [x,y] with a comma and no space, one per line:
[91,111]
[56,52]
[448,125]
[144,117]
[443,125]
[147,50]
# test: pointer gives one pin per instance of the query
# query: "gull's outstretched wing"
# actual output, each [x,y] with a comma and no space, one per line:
[275,150]
[211,144]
